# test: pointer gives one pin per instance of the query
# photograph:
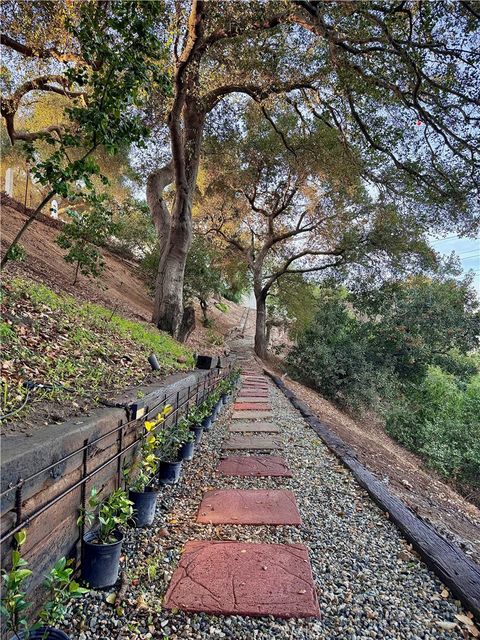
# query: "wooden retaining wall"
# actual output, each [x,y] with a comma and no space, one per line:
[99,441]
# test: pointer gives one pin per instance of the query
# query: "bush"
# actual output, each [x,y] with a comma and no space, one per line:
[335,355]
[439,419]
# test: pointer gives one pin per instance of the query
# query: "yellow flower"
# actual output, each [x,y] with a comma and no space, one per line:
[150,425]
[151,439]
[167,410]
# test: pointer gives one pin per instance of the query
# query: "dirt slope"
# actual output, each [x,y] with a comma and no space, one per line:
[120,286]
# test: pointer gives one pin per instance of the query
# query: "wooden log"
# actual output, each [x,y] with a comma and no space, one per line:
[447,560]
[206,362]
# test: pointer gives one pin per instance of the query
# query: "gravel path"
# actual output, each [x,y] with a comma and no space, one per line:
[369,583]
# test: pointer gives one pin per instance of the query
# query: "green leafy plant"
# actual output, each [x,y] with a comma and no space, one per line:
[59,584]
[113,512]
[18,253]
[85,231]
[13,598]
[61,589]
[172,438]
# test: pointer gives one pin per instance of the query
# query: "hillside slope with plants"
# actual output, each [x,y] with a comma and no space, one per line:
[79,353]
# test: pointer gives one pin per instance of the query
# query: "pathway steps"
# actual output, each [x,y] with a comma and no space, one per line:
[254,466]
[254,427]
[245,578]
[249,442]
[253,415]
[252,406]
[249,506]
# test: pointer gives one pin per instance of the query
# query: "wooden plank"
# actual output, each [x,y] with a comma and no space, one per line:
[446,559]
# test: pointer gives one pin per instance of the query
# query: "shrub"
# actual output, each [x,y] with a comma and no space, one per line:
[439,419]
[335,355]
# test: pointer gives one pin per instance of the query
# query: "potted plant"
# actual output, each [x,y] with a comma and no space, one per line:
[142,494]
[102,546]
[216,404]
[142,472]
[168,444]
[189,440]
[194,420]
[61,589]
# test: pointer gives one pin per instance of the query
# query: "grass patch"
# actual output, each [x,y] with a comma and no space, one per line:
[221,306]
[57,340]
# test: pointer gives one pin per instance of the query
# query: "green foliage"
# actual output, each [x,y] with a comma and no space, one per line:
[439,419]
[334,355]
[171,438]
[121,59]
[18,253]
[221,306]
[61,589]
[82,235]
[144,467]
[13,596]
[382,350]
[134,230]
[294,301]
[203,278]
[113,512]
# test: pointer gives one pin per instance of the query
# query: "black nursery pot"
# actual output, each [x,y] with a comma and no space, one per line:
[198,430]
[101,561]
[144,503]
[43,633]
[207,423]
[186,451]
[169,472]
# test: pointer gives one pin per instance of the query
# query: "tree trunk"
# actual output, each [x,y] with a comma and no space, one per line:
[175,241]
[260,337]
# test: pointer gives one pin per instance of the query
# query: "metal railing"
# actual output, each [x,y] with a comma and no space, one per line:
[198,392]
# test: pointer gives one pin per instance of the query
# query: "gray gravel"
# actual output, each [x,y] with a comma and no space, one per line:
[369,582]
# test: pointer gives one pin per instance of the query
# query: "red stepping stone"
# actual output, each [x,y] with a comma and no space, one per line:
[249,506]
[244,578]
[254,399]
[248,442]
[253,393]
[252,427]
[254,466]
[252,406]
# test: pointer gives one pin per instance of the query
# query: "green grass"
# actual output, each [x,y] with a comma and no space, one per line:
[221,306]
[55,339]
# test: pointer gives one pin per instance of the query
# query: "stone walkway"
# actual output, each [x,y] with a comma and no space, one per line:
[368,581]
[251,579]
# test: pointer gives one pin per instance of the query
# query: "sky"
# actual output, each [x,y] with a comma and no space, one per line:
[468,251]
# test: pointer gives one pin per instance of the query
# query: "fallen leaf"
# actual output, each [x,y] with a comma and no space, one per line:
[445,593]
[447,626]
[111,598]
[465,619]
[141,604]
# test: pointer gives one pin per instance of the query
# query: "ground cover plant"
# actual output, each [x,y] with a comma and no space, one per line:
[64,344]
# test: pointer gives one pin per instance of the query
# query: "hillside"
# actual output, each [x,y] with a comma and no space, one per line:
[121,288]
